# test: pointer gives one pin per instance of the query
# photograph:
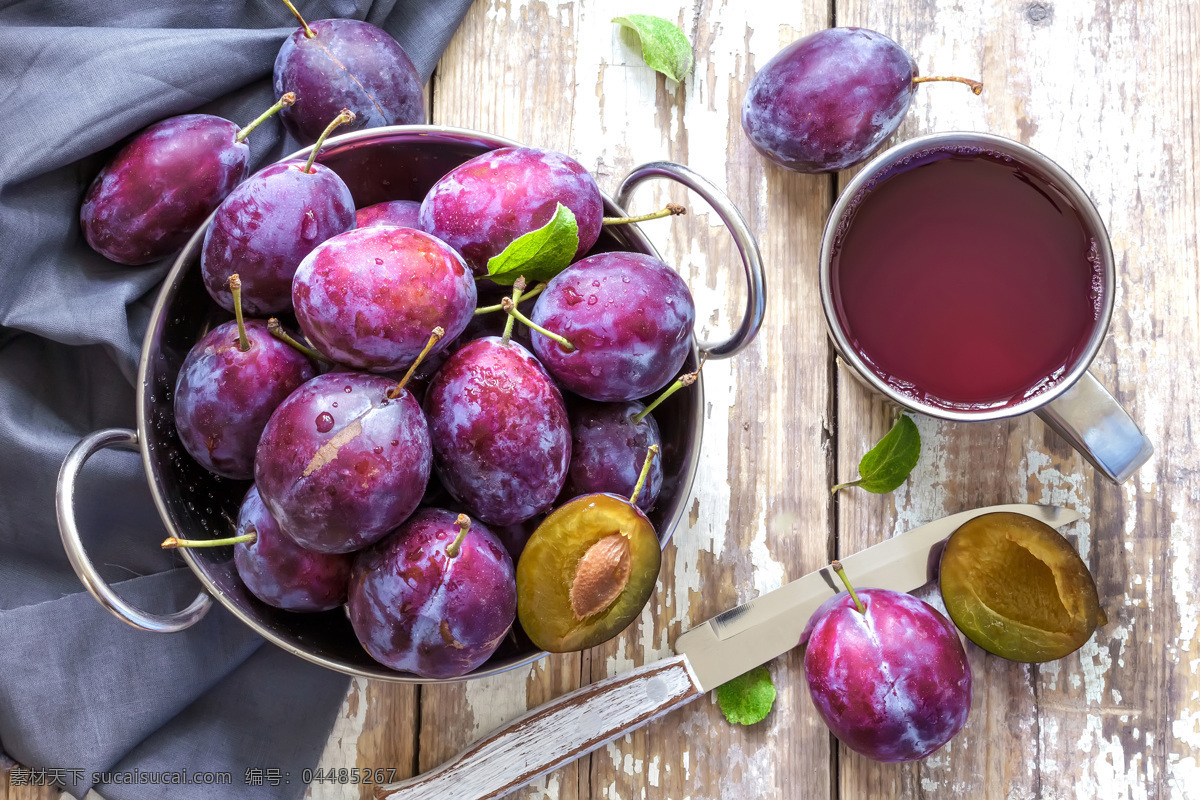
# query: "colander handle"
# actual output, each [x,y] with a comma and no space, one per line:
[121,439]
[752,317]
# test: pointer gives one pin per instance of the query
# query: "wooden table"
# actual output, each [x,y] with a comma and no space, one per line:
[1111,91]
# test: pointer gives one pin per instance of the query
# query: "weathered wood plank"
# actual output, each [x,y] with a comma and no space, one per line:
[1096,87]
[760,513]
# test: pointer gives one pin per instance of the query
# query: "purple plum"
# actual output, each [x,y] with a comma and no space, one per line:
[435,598]
[280,572]
[369,297]
[608,449]
[892,682]
[401,213]
[224,395]
[154,194]
[480,207]
[341,462]
[502,442]
[346,64]
[629,318]
[266,227]
[831,99]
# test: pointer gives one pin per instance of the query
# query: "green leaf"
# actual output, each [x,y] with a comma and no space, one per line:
[540,254]
[888,464]
[747,698]
[664,47]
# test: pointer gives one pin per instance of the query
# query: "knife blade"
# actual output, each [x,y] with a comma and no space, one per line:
[738,640]
[708,655]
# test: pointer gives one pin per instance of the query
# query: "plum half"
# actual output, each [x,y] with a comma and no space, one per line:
[1018,589]
[586,573]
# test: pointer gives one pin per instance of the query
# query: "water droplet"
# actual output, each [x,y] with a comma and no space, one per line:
[335,405]
[349,389]
[596,284]
[624,279]
[572,297]
[592,300]
[379,262]
[395,442]
[324,422]
[379,450]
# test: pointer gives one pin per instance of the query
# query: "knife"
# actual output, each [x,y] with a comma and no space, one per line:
[708,655]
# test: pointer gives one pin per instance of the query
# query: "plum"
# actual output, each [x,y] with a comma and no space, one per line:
[343,460]
[502,442]
[608,447]
[829,100]
[587,571]
[628,318]
[332,64]
[156,191]
[231,382]
[435,598]
[279,572]
[887,673]
[369,297]
[401,213]
[266,227]
[480,207]
[1017,588]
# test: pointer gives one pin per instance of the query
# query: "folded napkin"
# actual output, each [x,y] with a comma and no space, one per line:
[81,693]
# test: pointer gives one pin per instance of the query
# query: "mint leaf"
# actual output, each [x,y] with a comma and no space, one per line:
[747,698]
[664,47]
[540,254]
[888,464]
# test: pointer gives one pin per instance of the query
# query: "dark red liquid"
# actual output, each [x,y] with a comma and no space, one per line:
[967,281]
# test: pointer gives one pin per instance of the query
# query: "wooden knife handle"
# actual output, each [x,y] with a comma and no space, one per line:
[554,734]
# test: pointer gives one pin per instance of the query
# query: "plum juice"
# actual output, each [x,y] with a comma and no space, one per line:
[966,280]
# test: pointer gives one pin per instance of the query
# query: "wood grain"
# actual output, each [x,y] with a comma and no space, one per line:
[1090,86]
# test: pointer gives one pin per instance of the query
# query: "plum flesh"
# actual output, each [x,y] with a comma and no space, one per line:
[347,64]
[266,227]
[340,464]
[280,572]
[629,317]
[480,207]
[161,186]
[419,609]
[224,395]
[892,683]
[502,442]
[369,297]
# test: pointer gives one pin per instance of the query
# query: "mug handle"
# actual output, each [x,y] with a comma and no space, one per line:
[752,317]
[1094,423]
[121,439]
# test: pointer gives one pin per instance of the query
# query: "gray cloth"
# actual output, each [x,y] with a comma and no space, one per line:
[80,690]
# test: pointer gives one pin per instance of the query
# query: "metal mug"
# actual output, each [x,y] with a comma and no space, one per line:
[377,164]
[1078,406]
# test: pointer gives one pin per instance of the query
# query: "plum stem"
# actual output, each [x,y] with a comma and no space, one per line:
[235,286]
[434,338]
[518,290]
[464,524]
[534,292]
[637,487]
[680,382]
[976,86]
[287,100]
[248,538]
[841,573]
[513,311]
[344,116]
[276,329]
[307,30]
[672,210]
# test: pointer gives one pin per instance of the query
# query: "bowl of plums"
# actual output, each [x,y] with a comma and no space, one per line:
[420,404]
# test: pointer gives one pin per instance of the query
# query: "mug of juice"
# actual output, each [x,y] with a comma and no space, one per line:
[968,277]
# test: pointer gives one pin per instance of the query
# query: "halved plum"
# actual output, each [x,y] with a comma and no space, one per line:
[1017,588]
[586,573]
